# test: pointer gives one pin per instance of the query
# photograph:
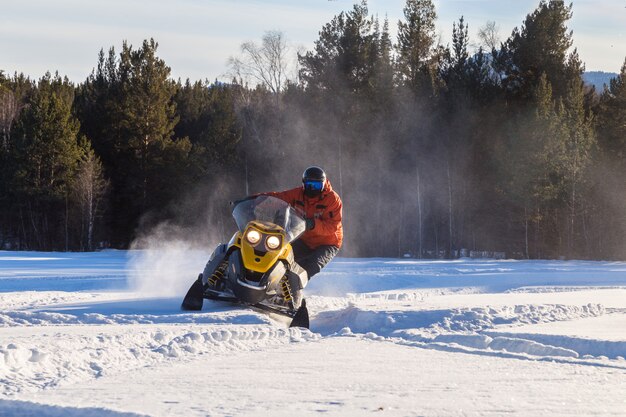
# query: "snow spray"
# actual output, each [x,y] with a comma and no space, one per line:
[167,256]
[164,264]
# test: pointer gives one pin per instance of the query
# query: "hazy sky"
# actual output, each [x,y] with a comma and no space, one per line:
[196,37]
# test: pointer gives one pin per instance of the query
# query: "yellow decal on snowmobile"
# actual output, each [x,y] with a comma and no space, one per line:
[257,252]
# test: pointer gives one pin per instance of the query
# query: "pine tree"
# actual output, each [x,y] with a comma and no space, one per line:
[349,84]
[578,142]
[528,167]
[343,54]
[456,70]
[15,93]
[384,82]
[47,152]
[129,113]
[341,72]
[539,47]
[208,119]
[612,118]
[96,106]
[460,42]
[609,187]
[416,44]
[9,109]
[148,115]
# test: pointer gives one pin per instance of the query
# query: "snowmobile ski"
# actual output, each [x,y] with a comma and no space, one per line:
[195,296]
[301,318]
[194,300]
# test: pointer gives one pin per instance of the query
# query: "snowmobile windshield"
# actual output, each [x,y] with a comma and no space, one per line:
[265,208]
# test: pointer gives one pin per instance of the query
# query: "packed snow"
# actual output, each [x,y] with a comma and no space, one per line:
[102,334]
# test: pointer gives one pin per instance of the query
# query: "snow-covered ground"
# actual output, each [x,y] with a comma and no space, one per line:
[101,334]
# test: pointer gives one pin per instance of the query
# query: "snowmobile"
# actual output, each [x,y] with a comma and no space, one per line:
[256,268]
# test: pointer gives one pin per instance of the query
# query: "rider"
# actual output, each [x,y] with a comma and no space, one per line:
[322,209]
[323,237]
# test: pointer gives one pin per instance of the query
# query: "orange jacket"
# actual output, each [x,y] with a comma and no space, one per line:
[325,209]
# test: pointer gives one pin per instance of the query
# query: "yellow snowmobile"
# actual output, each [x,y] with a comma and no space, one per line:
[256,268]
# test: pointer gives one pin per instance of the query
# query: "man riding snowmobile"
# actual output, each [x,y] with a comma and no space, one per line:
[322,208]
[284,239]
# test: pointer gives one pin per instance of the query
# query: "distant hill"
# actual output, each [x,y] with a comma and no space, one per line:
[598,79]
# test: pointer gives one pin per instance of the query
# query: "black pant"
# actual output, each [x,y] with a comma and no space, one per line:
[313,260]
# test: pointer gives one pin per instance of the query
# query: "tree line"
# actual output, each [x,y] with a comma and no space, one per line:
[433,148]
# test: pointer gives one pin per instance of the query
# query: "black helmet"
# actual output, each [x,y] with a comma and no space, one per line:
[313,180]
[314,174]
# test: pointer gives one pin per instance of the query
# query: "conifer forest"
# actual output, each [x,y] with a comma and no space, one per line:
[481,144]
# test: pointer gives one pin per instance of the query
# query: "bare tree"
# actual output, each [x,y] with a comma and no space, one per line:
[420,238]
[272,65]
[8,114]
[268,64]
[489,36]
[88,189]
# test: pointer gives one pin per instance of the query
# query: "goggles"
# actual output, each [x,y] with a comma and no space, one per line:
[313,185]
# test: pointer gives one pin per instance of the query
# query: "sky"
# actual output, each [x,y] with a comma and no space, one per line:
[196,37]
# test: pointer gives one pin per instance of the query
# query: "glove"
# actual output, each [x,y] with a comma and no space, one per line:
[310,224]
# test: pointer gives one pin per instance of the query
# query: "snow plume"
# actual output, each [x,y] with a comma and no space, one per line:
[168,255]
[166,264]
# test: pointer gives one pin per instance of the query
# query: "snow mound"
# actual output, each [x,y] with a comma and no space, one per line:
[25,318]
[63,358]
[448,320]
[508,344]
[477,341]
[582,346]
[468,328]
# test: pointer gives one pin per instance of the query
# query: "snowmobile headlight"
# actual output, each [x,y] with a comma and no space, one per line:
[273,242]
[253,236]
